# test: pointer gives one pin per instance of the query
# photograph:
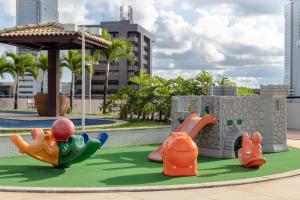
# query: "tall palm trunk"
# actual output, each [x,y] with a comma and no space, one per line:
[71,92]
[16,94]
[106,88]
[42,85]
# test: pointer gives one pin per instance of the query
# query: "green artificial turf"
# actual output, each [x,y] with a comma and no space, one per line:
[129,167]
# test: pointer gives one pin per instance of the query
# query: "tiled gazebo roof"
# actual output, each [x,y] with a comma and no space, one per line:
[48,30]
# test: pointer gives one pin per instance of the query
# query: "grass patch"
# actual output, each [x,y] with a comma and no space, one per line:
[130,167]
[131,123]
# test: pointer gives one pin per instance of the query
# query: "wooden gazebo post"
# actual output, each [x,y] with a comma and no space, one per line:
[53,82]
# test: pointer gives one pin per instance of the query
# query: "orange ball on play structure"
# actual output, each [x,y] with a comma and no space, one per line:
[62,129]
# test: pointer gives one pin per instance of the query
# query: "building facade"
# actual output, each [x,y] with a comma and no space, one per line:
[33,12]
[120,73]
[292,47]
[6,90]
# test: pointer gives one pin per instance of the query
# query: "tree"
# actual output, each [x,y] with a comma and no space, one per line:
[42,64]
[204,80]
[246,91]
[2,66]
[119,49]
[18,65]
[72,61]
[145,95]
[224,81]
[90,68]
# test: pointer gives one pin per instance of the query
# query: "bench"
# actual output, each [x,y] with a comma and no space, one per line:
[30,104]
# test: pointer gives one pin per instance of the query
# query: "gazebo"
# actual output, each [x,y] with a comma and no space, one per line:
[51,37]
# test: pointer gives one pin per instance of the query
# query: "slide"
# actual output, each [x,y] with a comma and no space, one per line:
[192,125]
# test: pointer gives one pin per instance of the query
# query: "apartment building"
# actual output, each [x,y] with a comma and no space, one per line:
[292,47]
[142,41]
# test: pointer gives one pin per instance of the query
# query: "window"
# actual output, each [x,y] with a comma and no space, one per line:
[99,73]
[97,82]
[207,110]
[78,82]
[113,82]
[26,86]
[24,80]
[239,122]
[25,92]
[229,122]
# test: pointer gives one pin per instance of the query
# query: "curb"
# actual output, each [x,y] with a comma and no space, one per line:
[151,188]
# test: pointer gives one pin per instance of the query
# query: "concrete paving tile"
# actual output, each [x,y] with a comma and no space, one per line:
[194,194]
[294,143]
[238,194]
[284,188]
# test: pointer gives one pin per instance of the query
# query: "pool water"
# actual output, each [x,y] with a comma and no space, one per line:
[13,123]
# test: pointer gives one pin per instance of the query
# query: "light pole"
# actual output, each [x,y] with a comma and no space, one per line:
[83,79]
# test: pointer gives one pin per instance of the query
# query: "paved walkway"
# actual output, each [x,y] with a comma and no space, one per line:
[284,189]
[293,134]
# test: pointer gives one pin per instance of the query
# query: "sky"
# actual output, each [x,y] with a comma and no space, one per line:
[240,39]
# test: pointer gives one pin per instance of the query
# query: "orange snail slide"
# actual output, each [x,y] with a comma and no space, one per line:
[192,125]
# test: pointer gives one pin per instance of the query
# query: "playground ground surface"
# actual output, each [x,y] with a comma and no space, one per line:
[128,166]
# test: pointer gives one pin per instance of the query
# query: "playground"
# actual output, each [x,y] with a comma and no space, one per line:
[63,158]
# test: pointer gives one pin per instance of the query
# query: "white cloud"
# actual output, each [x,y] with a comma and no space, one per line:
[9,7]
[172,34]
[222,40]
[145,13]
[73,11]
[4,48]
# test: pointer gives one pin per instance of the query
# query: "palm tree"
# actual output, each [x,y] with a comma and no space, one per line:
[204,80]
[2,66]
[120,49]
[224,81]
[90,69]
[18,65]
[42,64]
[72,61]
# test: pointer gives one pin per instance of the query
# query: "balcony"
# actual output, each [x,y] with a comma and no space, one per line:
[101,87]
[102,77]
[133,68]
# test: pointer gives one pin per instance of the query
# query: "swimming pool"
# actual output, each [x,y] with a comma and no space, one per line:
[14,123]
